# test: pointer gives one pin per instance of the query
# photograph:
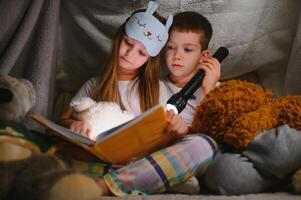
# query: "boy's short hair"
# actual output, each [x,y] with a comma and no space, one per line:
[189,21]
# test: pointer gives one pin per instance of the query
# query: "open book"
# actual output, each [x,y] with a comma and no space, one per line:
[127,142]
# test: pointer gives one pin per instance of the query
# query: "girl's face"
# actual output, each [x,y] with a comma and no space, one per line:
[132,55]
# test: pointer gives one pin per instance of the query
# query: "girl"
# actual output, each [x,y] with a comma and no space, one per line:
[131,79]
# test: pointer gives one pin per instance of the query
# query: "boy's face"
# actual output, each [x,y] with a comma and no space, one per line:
[183,54]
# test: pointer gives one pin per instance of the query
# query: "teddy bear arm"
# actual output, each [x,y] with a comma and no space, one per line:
[290,111]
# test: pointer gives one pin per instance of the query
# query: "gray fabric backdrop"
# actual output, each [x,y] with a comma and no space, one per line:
[58,44]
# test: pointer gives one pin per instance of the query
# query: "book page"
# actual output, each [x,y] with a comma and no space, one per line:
[65,132]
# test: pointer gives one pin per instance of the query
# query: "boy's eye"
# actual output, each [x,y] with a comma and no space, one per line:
[188,50]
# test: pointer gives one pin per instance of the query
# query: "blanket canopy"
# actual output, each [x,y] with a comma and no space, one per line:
[59,44]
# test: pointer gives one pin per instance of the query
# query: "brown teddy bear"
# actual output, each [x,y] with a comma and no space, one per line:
[228,112]
[26,172]
[237,111]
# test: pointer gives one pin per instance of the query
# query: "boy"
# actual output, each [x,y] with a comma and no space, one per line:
[187,51]
[270,159]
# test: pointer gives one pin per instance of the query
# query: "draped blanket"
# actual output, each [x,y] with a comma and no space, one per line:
[58,44]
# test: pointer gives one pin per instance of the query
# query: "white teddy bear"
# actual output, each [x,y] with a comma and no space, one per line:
[102,116]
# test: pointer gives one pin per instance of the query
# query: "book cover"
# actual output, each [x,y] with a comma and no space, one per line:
[127,142]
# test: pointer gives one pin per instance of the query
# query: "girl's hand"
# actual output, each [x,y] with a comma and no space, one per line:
[177,126]
[81,127]
[212,69]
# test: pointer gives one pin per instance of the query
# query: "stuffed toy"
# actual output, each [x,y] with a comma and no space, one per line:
[17,97]
[100,115]
[26,172]
[237,111]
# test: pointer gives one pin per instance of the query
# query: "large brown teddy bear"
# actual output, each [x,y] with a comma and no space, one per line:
[26,172]
[237,111]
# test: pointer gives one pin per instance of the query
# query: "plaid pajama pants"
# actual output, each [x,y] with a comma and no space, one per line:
[160,170]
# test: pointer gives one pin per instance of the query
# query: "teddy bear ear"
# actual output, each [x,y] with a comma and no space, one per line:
[5,95]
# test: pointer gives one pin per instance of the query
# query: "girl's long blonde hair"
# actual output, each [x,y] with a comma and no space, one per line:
[147,78]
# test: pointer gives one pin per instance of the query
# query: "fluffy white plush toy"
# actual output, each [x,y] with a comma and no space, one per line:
[101,115]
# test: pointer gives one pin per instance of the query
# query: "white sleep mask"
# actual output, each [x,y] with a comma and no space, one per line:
[144,27]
